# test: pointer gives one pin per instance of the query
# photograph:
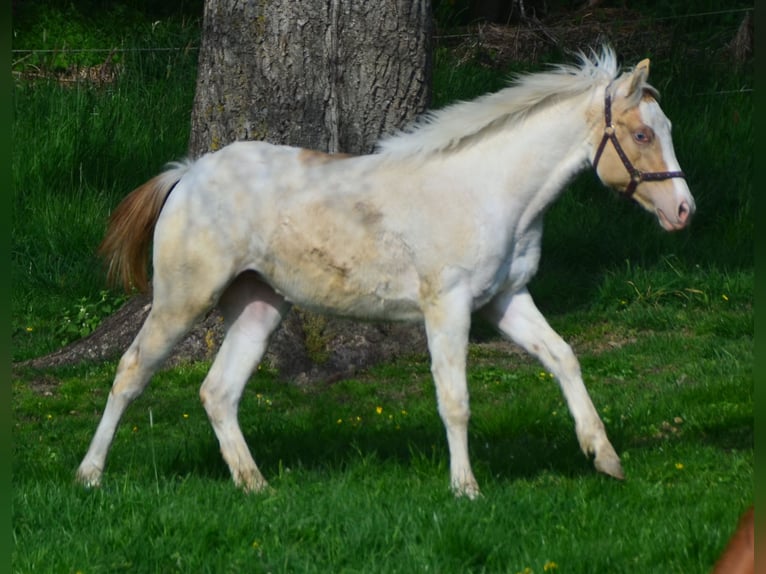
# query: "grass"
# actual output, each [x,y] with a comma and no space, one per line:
[662,323]
[77,150]
[359,468]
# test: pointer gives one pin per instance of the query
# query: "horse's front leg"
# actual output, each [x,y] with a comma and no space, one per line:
[516,316]
[447,326]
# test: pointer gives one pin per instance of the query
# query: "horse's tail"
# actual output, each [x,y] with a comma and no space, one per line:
[125,247]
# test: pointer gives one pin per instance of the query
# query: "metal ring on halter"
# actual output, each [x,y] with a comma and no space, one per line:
[636,175]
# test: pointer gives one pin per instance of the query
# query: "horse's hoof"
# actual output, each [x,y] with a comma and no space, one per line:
[610,465]
[469,490]
[88,479]
[252,482]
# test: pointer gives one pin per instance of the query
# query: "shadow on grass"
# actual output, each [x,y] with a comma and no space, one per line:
[506,456]
[500,457]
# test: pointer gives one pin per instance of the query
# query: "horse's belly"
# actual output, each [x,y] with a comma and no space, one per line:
[353,275]
[339,291]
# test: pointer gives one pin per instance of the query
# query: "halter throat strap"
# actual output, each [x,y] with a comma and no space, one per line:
[636,175]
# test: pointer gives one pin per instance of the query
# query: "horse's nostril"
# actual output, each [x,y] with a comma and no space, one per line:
[683,211]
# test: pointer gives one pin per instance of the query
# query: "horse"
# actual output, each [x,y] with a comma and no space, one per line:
[442,220]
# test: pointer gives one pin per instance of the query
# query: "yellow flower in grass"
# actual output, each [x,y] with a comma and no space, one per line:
[550,566]
[379,410]
[679,466]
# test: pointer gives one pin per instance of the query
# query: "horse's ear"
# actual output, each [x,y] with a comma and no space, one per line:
[639,76]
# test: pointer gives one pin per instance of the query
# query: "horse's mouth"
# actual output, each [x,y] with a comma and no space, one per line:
[668,225]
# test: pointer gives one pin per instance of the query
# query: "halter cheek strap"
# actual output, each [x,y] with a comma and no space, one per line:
[636,175]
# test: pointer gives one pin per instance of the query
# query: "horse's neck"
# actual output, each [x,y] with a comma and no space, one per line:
[522,169]
[530,163]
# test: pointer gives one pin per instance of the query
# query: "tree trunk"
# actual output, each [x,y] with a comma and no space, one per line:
[320,74]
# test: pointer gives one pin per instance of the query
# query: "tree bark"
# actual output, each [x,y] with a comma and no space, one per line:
[329,75]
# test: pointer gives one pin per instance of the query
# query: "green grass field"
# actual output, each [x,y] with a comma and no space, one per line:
[662,324]
[360,468]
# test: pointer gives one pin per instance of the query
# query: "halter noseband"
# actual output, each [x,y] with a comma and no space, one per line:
[636,175]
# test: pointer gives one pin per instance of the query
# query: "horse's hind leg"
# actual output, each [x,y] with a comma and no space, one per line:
[516,316]
[252,310]
[163,328]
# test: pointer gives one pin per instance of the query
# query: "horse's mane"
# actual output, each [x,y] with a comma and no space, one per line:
[453,125]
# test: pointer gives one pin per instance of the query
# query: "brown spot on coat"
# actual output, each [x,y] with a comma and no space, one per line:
[313,157]
[368,213]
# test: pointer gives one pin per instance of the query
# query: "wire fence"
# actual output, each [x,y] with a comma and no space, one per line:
[527,41]
[437,37]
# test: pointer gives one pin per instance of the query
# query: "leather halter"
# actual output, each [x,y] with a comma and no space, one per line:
[636,175]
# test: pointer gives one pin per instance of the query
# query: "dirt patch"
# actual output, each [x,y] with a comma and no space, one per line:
[43,384]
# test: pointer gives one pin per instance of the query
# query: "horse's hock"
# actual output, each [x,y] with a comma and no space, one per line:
[306,348]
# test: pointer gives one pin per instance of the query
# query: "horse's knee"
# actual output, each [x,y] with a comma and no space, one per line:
[454,406]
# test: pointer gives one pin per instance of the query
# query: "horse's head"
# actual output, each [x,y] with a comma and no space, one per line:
[634,150]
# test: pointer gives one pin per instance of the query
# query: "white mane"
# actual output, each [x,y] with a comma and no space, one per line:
[446,128]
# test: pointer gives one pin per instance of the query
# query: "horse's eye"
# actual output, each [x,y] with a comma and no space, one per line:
[642,136]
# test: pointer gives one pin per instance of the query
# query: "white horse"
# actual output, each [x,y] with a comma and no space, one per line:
[443,220]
